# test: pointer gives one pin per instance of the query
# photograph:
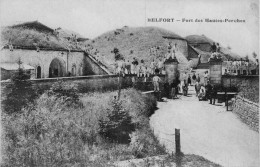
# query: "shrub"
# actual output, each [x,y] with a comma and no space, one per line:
[144,143]
[53,133]
[118,125]
[69,92]
[21,92]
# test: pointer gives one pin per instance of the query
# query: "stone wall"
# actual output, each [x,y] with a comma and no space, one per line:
[92,83]
[215,72]
[247,111]
[247,85]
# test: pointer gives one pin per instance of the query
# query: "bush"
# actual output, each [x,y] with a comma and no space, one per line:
[69,92]
[53,133]
[118,125]
[21,92]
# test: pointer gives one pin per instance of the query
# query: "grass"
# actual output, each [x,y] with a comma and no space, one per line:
[132,42]
[52,133]
[29,37]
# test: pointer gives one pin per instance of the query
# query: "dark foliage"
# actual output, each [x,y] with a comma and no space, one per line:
[21,93]
[118,125]
[68,92]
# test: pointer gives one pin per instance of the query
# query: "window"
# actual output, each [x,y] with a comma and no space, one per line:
[38,72]
[73,70]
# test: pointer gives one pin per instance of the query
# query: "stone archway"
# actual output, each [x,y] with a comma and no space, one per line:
[57,68]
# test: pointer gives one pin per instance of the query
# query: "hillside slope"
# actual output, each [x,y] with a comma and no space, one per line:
[133,42]
[34,33]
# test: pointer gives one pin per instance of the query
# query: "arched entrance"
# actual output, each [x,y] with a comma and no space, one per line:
[57,68]
[39,72]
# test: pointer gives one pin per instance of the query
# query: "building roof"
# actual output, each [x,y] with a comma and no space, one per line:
[15,66]
[198,39]
[34,25]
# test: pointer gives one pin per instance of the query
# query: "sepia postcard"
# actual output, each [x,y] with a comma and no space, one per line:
[129,83]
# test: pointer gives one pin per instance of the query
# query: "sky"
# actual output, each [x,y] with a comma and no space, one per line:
[92,18]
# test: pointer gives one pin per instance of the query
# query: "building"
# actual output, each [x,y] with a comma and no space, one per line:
[44,53]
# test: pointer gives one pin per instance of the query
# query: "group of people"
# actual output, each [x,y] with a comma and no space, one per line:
[139,68]
[144,69]
[240,67]
[208,93]
[215,52]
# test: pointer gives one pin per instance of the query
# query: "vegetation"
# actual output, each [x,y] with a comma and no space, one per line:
[139,40]
[31,37]
[21,93]
[56,133]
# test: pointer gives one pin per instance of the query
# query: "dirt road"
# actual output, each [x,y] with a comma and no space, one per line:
[206,130]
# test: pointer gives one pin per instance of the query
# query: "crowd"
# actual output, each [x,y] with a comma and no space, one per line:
[204,91]
[240,67]
[215,52]
[145,69]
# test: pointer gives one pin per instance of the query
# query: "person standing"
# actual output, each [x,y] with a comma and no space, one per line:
[213,47]
[198,78]
[194,78]
[174,89]
[160,66]
[135,64]
[128,67]
[185,88]
[189,80]
[139,71]
[213,95]
[156,81]
[152,66]
[197,88]
[208,90]
[205,77]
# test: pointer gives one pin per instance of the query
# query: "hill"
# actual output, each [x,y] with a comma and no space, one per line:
[34,33]
[133,42]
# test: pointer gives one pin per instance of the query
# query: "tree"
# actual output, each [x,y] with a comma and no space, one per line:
[21,93]
[118,56]
[118,125]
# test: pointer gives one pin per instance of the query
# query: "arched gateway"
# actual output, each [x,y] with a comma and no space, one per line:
[57,68]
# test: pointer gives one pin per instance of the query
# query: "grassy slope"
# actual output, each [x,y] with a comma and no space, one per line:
[140,42]
[29,37]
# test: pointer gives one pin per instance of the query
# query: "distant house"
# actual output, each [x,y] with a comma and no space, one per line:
[8,69]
